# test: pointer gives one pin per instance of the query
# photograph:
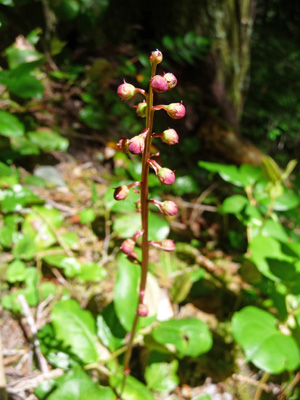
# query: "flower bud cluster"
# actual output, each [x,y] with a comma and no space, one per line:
[141,145]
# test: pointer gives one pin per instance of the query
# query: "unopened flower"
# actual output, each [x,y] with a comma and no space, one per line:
[127,246]
[167,207]
[170,136]
[136,145]
[126,91]
[137,234]
[121,192]
[176,110]
[159,84]
[141,109]
[166,176]
[142,310]
[123,145]
[171,79]
[167,244]
[156,57]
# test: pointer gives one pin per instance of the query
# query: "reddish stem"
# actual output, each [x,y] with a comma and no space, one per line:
[144,216]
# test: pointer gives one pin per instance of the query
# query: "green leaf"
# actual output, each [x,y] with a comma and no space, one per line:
[134,390]
[76,329]
[77,385]
[25,248]
[16,56]
[26,87]
[87,216]
[10,126]
[185,184]
[181,287]
[66,9]
[39,226]
[126,225]
[48,140]
[244,176]
[271,170]
[191,337]
[109,330]
[234,204]
[91,272]
[23,146]
[264,345]
[16,272]
[70,265]
[126,291]
[162,377]
[16,198]
[126,205]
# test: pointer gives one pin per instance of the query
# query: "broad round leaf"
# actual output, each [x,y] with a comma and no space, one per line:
[126,291]
[270,350]
[10,125]
[134,390]
[162,377]
[77,385]
[191,337]
[76,328]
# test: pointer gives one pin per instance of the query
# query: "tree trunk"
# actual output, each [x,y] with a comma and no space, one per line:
[228,23]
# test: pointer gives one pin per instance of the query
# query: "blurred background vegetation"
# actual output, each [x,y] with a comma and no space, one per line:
[237,64]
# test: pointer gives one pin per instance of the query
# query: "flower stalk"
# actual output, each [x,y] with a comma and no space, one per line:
[141,144]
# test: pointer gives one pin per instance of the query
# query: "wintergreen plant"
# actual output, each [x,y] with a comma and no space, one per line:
[141,144]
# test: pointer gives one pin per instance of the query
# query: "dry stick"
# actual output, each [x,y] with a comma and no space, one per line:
[3,393]
[144,215]
[290,386]
[33,329]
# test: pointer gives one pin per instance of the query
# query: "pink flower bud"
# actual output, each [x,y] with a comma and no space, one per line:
[126,91]
[136,144]
[171,79]
[123,145]
[156,57]
[175,110]
[167,244]
[141,109]
[166,176]
[127,246]
[159,84]
[170,136]
[169,208]
[142,310]
[121,192]
[137,234]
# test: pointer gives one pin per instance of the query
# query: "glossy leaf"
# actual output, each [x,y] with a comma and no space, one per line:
[77,385]
[10,126]
[17,197]
[134,390]
[264,345]
[162,377]
[16,272]
[26,87]
[191,337]
[76,329]
[126,291]
[234,204]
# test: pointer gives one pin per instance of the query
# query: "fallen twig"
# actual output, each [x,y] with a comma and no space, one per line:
[33,329]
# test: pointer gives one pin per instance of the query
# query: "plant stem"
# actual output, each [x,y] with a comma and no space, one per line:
[259,389]
[144,217]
